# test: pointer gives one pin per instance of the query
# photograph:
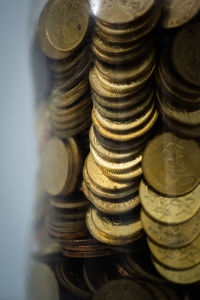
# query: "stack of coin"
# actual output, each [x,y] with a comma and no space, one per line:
[63,31]
[178,83]
[171,207]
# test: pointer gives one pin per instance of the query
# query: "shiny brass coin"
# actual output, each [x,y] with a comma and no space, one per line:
[46,47]
[111,155]
[178,172]
[125,87]
[56,166]
[98,87]
[127,114]
[122,289]
[85,254]
[120,12]
[188,276]
[123,227]
[127,73]
[177,13]
[123,127]
[67,24]
[111,240]
[131,176]
[186,56]
[108,207]
[169,210]
[171,236]
[178,259]
[72,132]
[178,113]
[124,104]
[74,201]
[42,283]
[125,137]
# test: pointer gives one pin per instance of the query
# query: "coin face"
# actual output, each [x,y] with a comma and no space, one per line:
[67,24]
[169,210]
[120,12]
[178,12]
[188,276]
[186,55]
[122,289]
[171,236]
[42,283]
[171,164]
[179,259]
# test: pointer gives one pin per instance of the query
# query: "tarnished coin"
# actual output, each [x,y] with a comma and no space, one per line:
[187,276]
[122,289]
[42,283]
[178,259]
[171,164]
[186,55]
[67,24]
[178,12]
[169,210]
[171,236]
[120,12]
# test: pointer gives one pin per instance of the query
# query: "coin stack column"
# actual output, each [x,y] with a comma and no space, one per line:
[123,115]
[171,206]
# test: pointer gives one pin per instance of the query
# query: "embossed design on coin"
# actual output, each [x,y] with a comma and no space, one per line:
[171,164]
[178,12]
[168,209]
[171,236]
[186,55]
[182,258]
[67,23]
[182,277]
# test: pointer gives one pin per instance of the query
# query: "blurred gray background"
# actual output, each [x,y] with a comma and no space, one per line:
[18,156]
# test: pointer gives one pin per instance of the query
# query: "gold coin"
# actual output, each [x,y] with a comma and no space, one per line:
[171,236]
[113,155]
[125,136]
[178,259]
[187,276]
[186,56]
[102,182]
[74,201]
[46,47]
[67,24]
[111,230]
[177,13]
[124,103]
[123,127]
[127,73]
[132,86]
[119,12]
[130,176]
[178,172]
[169,210]
[111,207]
[125,114]
[72,132]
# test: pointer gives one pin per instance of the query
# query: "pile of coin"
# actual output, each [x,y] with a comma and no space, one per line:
[178,81]
[171,207]
[65,43]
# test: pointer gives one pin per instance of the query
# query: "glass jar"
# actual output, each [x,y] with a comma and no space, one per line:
[117,103]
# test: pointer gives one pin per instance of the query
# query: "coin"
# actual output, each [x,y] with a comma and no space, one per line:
[118,12]
[188,276]
[186,56]
[178,172]
[42,283]
[169,210]
[177,12]
[111,207]
[122,289]
[171,236]
[67,24]
[178,259]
